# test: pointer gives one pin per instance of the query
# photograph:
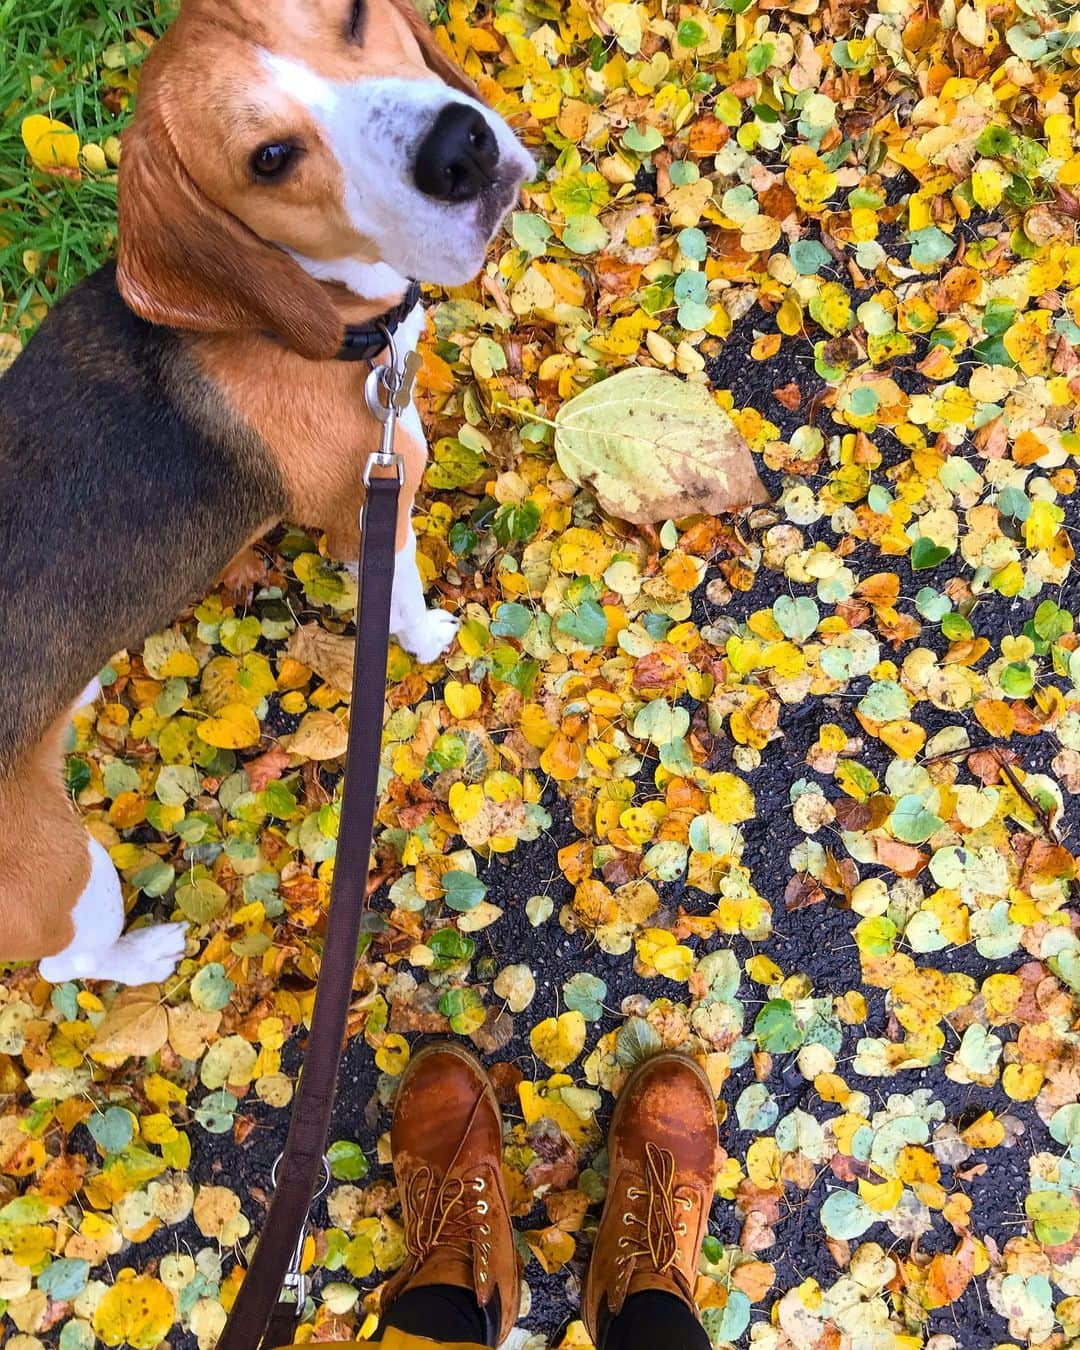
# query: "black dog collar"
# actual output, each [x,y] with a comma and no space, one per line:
[365,341]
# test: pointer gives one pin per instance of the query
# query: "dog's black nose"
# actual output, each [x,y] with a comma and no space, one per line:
[457,157]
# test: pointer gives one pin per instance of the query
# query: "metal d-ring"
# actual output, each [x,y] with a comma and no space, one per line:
[326,1174]
[295,1279]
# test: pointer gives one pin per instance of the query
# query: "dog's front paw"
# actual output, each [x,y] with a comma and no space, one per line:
[432,635]
[146,956]
[153,952]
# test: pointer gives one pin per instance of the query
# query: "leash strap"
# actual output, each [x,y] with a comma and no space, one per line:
[259,1318]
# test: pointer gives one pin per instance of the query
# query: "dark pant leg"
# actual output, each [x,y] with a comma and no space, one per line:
[441,1312]
[653,1319]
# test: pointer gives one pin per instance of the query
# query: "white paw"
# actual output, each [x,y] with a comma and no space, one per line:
[150,954]
[147,956]
[430,636]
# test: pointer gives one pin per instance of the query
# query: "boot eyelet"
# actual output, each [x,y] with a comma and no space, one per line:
[628,1219]
[485,1231]
[624,1242]
[634,1194]
[479,1185]
[483,1277]
[481,1206]
[681,1230]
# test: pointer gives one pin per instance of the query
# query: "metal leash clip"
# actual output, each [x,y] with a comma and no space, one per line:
[387,391]
[295,1279]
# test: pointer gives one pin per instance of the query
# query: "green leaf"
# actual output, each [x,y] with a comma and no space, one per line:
[642,140]
[797,619]
[216,1112]
[211,988]
[451,946]
[693,244]
[925,554]
[531,232]
[119,777]
[199,898]
[584,234]
[1017,680]
[154,879]
[347,1160]
[756,1109]
[660,723]
[635,1042]
[113,1129]
[956,628]
[809,256]
[587,623]
[1055,1216]
[585,994]
[776,1028]
[463,890]
[911,822]
[930,245]
[65,1279]
[516,523]
[845,1215]
[511,620]
[885,701]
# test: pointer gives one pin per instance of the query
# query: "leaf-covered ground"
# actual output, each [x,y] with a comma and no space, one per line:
[792,791]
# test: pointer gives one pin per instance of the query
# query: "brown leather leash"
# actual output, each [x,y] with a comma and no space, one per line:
[260,1317]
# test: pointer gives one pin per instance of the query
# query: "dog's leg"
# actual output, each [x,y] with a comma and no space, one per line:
[60,898]
[426,633]
[100,950]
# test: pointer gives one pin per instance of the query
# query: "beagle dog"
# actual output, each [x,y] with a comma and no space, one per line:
[292,167]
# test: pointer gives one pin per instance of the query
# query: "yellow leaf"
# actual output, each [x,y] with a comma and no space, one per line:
[52,145]
[136,1024]
[881,1198]
[138,1310]
[393,1054]
[763,970]
[551,1247]
[986,1132]
[904,737]
[320,735]
[763,1163]
[217,1215]
[1022,1082]
[233,728]
[730,799]
[559,1040]
[463,700]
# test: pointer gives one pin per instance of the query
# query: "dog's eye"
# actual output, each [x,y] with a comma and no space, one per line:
[356,20]
[269,160]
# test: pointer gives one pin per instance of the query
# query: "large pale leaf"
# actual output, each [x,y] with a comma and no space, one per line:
[653,447]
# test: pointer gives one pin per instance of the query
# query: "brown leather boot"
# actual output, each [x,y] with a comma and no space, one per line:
[446,1138]
[662,1172]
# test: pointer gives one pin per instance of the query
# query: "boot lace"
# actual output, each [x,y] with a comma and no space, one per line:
[448,1212]
[655,1235]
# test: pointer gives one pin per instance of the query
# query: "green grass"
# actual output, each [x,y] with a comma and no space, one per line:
[52,62]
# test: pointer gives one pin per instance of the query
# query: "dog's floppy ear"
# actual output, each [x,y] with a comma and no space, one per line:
[435,58]
[187,263]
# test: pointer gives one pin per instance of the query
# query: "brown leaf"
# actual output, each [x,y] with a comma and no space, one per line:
[329,655]
[801,891]
[266,768]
